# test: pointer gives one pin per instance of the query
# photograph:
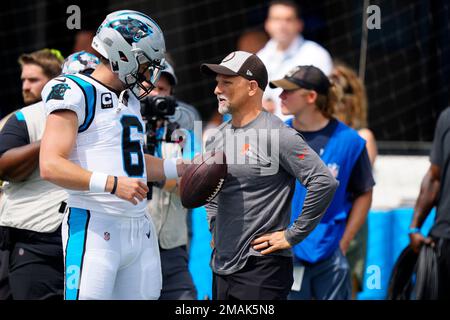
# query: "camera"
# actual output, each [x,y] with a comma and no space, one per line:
[158,112]
[164,115]
[158,107]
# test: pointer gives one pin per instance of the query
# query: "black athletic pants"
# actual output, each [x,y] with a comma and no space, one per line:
[262,278]
[177,281]
[5,292]
[36,265]
[443,257]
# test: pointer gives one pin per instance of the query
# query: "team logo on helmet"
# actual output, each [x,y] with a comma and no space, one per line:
[58,91]
[131,29]
[80,62]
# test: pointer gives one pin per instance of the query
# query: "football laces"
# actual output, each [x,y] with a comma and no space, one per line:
[219,186]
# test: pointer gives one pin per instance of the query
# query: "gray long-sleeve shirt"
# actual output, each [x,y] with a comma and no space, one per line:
[264,159]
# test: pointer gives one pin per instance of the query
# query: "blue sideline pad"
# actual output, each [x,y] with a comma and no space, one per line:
[388,236]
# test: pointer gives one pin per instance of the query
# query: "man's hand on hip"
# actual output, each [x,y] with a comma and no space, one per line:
[271,242]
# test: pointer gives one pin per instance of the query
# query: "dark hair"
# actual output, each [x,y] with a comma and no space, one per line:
[50,60]
[288,3]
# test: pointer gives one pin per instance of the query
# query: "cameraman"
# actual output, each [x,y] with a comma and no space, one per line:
[169,216]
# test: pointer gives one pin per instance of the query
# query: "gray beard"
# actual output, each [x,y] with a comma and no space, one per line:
[223,110]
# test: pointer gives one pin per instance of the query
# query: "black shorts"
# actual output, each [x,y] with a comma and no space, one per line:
[262,278]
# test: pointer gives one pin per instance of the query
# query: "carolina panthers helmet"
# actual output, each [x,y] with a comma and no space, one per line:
[134,44]
[80,62]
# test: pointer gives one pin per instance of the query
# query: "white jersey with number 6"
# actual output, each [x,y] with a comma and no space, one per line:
[110,138]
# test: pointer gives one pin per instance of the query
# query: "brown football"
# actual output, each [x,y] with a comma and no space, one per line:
[203,179]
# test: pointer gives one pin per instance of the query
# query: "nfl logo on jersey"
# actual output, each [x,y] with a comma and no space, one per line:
[106,236]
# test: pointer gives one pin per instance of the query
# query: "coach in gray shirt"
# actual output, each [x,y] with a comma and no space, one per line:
[250,216]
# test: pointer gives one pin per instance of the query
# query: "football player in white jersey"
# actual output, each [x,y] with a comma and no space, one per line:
[93,146]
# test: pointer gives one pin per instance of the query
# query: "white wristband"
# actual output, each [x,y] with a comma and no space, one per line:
[98,182]
[170,168]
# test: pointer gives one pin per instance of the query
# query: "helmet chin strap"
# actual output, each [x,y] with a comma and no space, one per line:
[123,100]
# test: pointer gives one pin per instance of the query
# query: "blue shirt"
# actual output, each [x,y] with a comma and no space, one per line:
[361,179]
[340,147]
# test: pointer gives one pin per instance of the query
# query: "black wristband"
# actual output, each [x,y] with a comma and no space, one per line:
[114,186]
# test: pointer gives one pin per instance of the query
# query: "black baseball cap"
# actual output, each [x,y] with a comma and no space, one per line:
[307,77]
[240,63]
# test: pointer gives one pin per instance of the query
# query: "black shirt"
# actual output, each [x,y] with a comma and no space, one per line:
[361,179]
[440,156]
[14,134]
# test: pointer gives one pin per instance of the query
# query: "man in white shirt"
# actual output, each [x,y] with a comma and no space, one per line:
[287,48]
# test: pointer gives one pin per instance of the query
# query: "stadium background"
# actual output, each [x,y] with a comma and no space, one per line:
[407,69]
